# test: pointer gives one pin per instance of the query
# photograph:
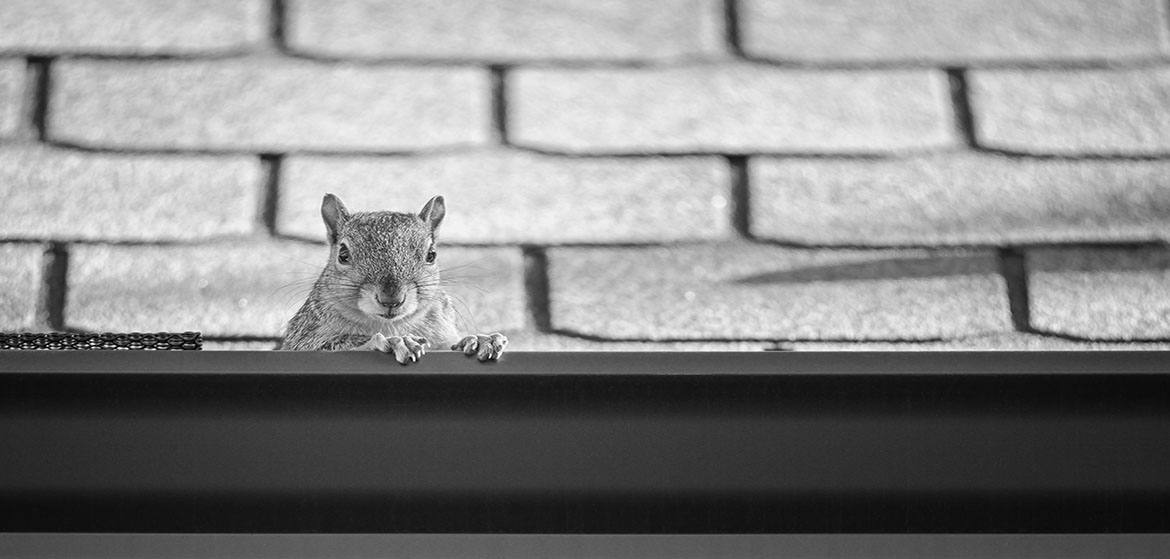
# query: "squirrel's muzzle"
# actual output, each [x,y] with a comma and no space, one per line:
[392,296]
[387,300]
[393,300]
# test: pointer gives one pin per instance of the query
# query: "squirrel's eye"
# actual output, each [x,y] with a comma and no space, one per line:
[431,256]
[343,254]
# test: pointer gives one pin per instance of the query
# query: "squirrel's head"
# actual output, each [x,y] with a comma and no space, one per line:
[382,265]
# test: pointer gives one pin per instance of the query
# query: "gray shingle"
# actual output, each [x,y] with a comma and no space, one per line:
[959,199]
[508,30]
[487,285]
[60,194]
[1101,294]
[131,26]
[1073,111]
[738,108]
[20,276]
[510,197]
[247,289]
[744,291]
[266,105]
[12,86]
[953,30]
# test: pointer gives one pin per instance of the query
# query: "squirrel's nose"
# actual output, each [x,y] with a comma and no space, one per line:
[391,302]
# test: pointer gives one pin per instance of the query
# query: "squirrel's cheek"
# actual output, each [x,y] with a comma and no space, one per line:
[367,302]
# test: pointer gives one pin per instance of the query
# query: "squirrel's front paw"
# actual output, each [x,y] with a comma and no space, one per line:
[485,347]
[406,349]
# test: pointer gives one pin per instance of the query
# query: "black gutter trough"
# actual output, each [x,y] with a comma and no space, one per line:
[585,443]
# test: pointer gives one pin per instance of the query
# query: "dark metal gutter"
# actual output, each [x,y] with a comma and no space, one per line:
[995,442]
[543,546]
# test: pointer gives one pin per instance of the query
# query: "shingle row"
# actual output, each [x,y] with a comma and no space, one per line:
[936,31]
[282,105]
[721,291]
[501,196]
[252,288]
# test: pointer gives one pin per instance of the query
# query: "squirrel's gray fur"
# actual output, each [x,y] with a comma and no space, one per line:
[378,263]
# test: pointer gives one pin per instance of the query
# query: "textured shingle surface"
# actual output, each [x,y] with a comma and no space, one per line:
[487,286]
[1073,112]
[954,30]
[508,30]
[245,289]
[642,171]
[12,72]
[741,291]
[729,109]
[959,199]
[502,197]
[20,275]
[58,194]
[261,106]
[130,26]
[1101,294]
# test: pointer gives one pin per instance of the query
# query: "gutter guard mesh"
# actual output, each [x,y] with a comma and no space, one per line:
[105,341]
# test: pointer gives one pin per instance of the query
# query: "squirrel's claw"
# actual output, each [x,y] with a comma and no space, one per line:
[485,347]
[406,349]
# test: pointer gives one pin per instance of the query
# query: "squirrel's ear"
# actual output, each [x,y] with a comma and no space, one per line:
[334,213]
[433,212]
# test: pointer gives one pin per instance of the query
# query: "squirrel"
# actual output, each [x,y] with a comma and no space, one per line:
[380,289]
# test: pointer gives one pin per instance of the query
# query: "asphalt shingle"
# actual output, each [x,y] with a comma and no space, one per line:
[507,31]
[266,105]
[1101,294]
[65,195]
[746,291]
[249,289]
[20,274]
[511,197]
[953,30]
[487,287]
[729,109]
[131,26]
[1073,111]
[959,199]
[608,124]
[12,86]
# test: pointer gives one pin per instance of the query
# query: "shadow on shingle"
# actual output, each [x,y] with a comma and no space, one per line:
[1142,259]
[883,269]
